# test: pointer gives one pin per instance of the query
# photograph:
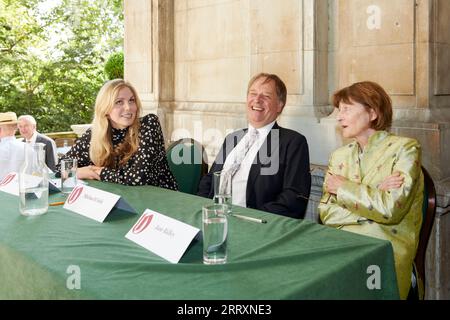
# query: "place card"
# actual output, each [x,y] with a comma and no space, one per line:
[10,183]
[94,203]
[164,236]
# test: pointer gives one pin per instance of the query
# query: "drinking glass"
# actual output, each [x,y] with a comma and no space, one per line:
[222,188]
[215,233]
[68,175]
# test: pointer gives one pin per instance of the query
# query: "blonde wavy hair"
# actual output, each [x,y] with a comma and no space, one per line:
[102,152]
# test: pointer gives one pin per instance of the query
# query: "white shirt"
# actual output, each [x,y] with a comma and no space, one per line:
[33,141]
[33,138]
[12,155]
[239,183]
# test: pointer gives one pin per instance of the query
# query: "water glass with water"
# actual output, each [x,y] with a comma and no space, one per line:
[215,233]
[68,175]
[222,188]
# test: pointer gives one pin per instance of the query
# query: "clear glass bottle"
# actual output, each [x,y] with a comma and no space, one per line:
[33,181]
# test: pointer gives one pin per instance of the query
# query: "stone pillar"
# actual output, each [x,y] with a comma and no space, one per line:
[149,55]
[139,62]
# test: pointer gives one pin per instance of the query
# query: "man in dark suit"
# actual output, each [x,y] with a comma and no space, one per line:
[269,164]
[27,128]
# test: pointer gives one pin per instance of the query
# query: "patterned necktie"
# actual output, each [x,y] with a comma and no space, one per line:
[249,140]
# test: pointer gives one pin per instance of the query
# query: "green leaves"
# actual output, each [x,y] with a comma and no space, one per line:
[52,57]
[114,66]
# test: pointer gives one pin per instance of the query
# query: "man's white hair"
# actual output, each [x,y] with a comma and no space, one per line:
[28,118]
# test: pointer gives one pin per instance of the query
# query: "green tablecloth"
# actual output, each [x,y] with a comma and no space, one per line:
[283,259]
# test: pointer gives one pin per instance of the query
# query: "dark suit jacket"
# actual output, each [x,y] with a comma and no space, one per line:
[50,151]
[280,173]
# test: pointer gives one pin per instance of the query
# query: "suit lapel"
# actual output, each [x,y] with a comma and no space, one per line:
[228,145]
[270,146]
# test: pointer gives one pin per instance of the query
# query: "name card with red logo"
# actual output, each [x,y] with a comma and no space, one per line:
[10,183]
[164,236]
[94,203]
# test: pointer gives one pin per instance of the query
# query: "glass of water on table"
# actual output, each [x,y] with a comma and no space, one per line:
[222,189]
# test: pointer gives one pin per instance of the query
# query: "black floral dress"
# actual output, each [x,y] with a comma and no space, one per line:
[148,166]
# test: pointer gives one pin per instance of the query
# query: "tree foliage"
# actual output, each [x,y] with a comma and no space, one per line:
[114,66]
[52,58]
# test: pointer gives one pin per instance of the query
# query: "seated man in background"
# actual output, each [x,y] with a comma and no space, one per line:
[12,151]
[268,164]
[27,128]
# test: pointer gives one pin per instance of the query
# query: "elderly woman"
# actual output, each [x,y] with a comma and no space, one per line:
[374,185]
[121,147]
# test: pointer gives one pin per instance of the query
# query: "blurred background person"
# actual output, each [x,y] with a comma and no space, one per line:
[27,128]
[374,185]
[120,147]
[12,151]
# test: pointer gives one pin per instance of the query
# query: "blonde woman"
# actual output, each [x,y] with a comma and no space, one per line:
[121,147]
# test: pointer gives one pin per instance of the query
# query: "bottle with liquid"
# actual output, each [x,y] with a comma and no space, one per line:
[33,181]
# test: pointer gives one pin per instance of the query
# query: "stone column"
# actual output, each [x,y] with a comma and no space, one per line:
[149,55]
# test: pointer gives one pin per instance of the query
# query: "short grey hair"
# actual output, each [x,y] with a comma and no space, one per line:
[28,118]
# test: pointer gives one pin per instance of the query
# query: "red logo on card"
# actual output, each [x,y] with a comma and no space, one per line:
[142,224]
[7,179]
[75,194]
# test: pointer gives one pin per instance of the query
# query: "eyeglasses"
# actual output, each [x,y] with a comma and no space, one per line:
[308,198]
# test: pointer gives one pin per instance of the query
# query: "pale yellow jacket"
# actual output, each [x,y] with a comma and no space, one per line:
[360,207]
